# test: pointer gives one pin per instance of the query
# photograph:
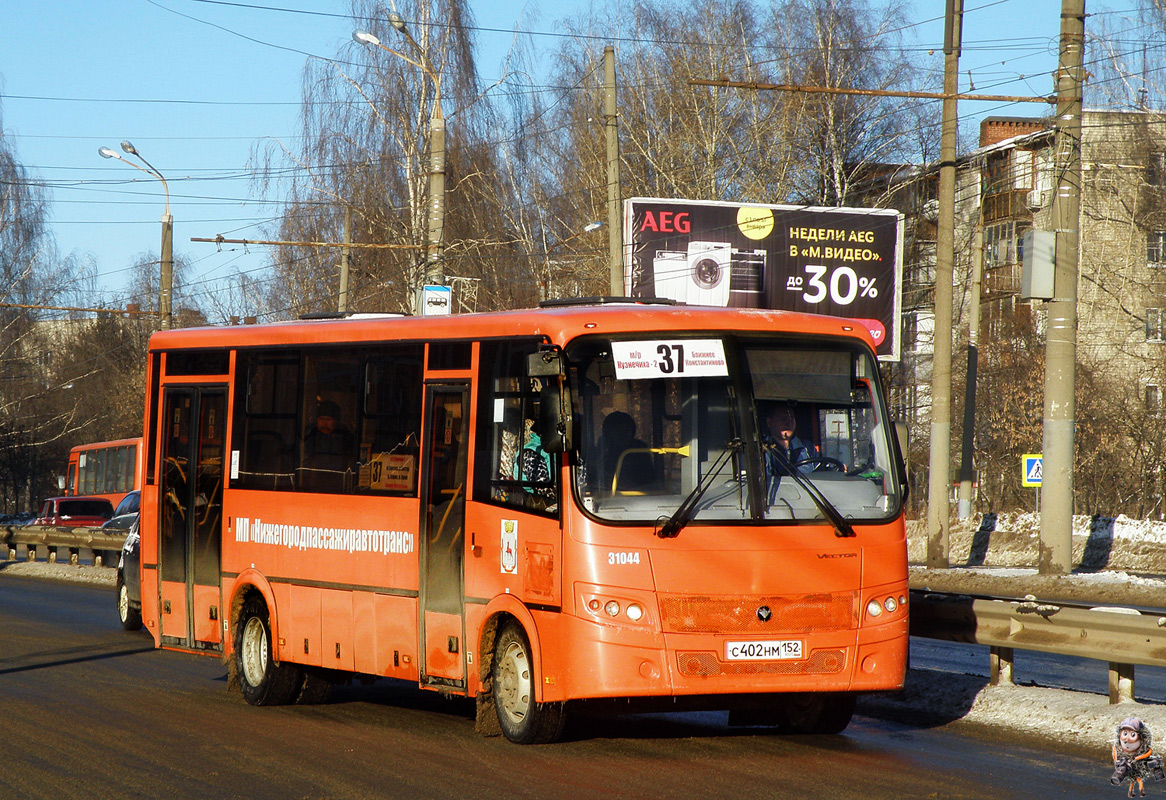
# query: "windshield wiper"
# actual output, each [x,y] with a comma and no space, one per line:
[686,510]
[842,528]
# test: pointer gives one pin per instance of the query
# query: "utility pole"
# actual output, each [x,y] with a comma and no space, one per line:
[166,287]
[967,459]
[938,503]
[345,261]
[1056,524]
[614,223]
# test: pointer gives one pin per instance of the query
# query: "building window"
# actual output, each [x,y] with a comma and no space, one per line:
[1154,318]
[1153,398]
[1156,168]
[1003,244]
[1156,248]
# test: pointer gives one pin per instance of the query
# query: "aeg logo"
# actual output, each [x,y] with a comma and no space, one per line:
[666,222]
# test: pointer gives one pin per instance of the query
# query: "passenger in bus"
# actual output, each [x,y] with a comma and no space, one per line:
[329,449]
[534,468]
[636,471]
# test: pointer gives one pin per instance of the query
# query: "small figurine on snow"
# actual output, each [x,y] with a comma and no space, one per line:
[1133,760]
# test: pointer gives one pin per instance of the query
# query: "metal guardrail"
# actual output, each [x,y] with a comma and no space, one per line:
[1122,637]
[104,544]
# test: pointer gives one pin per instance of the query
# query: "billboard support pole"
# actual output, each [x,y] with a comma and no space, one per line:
[614,222]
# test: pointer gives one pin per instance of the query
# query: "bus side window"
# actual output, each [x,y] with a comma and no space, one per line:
[333,381]
[265,428]
[391,429]
[517,470]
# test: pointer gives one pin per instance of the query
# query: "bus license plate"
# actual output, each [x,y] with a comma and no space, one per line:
[770,650]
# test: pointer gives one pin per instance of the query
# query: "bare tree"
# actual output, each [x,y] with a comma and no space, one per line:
[366,125]
[34,416]
[1125,54]
[846,44]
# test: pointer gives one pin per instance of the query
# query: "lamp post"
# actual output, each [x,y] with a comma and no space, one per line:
[167,274]
[435,241]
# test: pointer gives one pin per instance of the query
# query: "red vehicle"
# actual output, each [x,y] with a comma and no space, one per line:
[105,469]
[532,508]
[74,512]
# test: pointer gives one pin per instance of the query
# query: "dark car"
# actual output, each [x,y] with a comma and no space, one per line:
[126,513]
[129,581]
[75,512]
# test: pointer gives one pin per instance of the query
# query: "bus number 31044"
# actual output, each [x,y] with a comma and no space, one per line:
[623,558]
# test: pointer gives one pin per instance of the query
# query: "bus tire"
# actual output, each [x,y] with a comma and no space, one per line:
[131,618]
[816,712]
[315,689]
[262,681]
[523,719]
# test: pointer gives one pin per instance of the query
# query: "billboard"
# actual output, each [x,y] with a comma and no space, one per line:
[844,262]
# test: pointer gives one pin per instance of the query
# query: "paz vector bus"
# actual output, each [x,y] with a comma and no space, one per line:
[540,509]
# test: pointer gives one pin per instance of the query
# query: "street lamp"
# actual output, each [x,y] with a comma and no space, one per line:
[167,276]
[435,242]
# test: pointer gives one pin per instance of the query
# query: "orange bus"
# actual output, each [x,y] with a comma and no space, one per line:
[105,469]
[448,501]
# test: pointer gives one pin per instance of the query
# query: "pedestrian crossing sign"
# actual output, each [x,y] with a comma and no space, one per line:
[1031,469]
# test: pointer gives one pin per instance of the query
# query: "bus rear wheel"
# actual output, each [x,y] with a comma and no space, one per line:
[523,719]
[264,683]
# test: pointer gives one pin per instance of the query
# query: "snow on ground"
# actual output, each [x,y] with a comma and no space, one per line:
[1079,721]
[75,573]
[989,555]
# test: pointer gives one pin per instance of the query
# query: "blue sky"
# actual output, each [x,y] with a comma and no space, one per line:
[196,84]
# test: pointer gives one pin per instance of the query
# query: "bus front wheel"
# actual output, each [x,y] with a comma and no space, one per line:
[523,719]
[816,712]
[264,683]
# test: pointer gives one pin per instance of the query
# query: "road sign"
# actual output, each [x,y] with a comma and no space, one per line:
[1032,469]
[436,301]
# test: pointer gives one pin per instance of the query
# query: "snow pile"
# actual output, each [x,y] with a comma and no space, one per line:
[1081,720]
[75,573]
[1013,540]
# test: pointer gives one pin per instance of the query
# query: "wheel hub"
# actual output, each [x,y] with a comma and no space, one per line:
[254,651]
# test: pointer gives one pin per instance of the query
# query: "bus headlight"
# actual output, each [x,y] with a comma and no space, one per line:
[634,612]
[612,608]
[874,608]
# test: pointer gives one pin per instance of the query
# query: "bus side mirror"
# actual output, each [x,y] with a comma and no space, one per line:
[555,417]
[556,422]
[545,364]
[904,440]
[61,482]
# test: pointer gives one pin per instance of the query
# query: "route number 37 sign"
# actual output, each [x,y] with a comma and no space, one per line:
[669,358]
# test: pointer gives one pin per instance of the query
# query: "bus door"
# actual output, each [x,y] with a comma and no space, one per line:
[443,512]
[190,528]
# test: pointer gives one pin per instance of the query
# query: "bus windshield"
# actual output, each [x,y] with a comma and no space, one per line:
[736,417]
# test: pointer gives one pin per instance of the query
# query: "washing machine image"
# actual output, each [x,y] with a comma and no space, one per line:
[747,279]
[697,276]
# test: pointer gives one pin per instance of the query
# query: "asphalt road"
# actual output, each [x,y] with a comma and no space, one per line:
[89,711]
